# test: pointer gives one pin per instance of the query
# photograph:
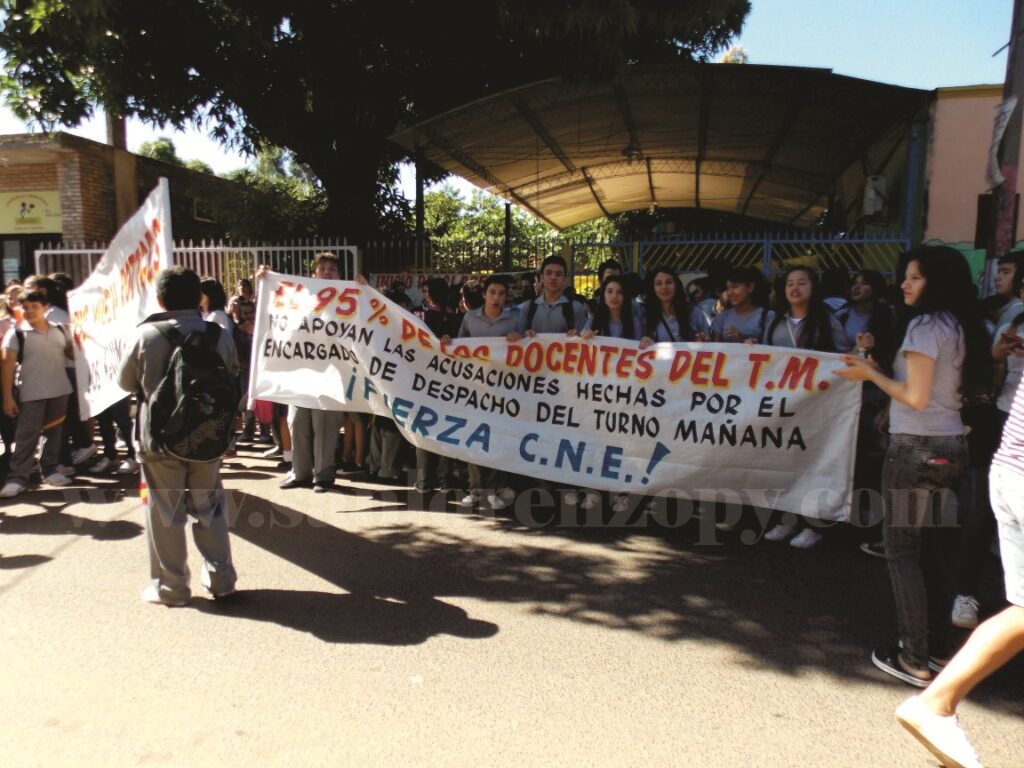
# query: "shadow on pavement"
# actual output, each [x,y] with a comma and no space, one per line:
[16,562]
[786,609]
[351,618]
[53,522]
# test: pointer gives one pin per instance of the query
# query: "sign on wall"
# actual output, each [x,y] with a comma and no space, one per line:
[26,213]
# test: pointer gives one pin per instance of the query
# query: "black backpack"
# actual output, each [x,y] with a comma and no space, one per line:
[192,412]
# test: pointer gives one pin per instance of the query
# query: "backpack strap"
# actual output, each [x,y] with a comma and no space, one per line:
[569,311]
[760,325]
[171,332]
[531,312]
[20,336]
[211,334]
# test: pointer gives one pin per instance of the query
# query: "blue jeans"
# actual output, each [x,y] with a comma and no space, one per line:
[921,536]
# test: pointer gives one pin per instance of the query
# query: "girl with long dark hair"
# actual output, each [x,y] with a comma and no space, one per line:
[668,316]
[943,358]
[867,321]
[613,317]
[803,322]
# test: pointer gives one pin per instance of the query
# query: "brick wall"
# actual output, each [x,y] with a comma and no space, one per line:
[19,178]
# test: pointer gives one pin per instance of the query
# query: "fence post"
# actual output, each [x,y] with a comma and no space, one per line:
[766,257]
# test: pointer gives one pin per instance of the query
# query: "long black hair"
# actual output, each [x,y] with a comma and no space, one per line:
[216,298]
[882,324]
[602,316]
[949,297]
[752,277]
[652,305]
[815,332]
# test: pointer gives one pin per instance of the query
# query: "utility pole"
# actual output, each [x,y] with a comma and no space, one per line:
[1005,194]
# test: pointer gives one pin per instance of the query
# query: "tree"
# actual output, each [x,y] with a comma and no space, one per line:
[161,148]
[329,80]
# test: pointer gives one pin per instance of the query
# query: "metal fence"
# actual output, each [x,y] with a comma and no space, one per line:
[227,262]
[769,252]
[773,253]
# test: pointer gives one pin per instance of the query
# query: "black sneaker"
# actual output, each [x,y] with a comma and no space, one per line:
[893,662]
[873,548]
[322,487]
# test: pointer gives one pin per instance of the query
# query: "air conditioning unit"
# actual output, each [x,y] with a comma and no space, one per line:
[874,195]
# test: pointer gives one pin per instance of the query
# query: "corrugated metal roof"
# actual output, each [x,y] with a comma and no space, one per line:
[762,141]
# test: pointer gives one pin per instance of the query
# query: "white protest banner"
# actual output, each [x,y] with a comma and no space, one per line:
[770,424]
[118,295]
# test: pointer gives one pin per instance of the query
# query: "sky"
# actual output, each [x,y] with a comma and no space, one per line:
[917,43]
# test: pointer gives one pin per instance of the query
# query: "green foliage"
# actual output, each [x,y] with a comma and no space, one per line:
[330,80]
[277,199]
[446,214]
[161,148]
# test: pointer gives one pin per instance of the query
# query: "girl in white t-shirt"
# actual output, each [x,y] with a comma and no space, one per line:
[944,354]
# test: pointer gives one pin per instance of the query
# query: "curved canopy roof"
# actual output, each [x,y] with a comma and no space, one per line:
[761,141]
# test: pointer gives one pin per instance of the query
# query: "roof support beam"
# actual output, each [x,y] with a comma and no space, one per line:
[777,141]
[650,183]
[627,120]
[702,129]
[475,168]
[543,133]
[593,191]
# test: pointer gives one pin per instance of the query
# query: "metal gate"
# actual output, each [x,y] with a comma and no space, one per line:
[227,262]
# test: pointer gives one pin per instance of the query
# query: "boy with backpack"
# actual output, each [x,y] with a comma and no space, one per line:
[552,311]
[182,432]
[35,352]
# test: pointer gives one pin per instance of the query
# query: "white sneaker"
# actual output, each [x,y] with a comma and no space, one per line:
[83,454]
[808,538]
[965,612]
[152,594]
[507,493]
[571,498]
[12,489]
[942,736]
[780,533]
[128,467]
[620,503]
[66,471]
[103,465]
[57,479]
[470,499]
[496,501]
[590,501]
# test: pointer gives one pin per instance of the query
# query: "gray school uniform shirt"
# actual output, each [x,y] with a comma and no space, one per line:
[667,326]
[939,337]
[41,375]
[476,324]
[788,329]
[752,326]
[550,318]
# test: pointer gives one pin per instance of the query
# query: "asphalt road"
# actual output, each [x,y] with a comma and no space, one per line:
[400,630]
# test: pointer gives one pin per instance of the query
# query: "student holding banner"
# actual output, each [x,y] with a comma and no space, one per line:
[492,319]
[613,318]
[314,433]
[552,311]
[944,353]
[668,316]
[748,315]
[806,324]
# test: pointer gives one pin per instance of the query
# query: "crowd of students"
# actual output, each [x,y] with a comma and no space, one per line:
[940,370]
